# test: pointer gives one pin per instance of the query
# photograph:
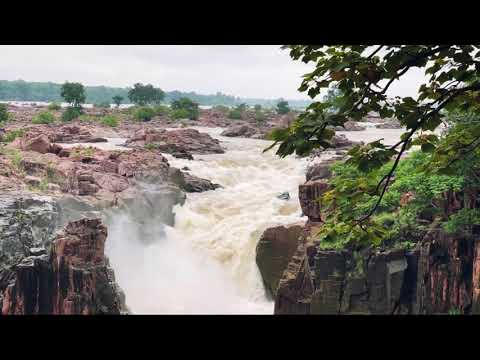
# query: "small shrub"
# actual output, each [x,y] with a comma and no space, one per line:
[180,114]
[144,113]
[86,118]
[54,106]
[161,110]
[71,113]
[151,146]
[259,116]
[44,117]
[12,135]
[109,120]
[192,111]
[16,159]
[4,115]
[235,114]
[83,152]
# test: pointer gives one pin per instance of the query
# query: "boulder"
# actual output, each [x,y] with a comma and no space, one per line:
[39,144]
[190,183]
[239,131]
[273,252]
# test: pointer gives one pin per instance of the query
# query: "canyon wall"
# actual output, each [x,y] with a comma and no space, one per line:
[440,275]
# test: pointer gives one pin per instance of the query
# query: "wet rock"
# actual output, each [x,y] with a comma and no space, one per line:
[176,141]
[296,286]
[284,196]
[389,124]
[309,195]
[239,131]
[341,141]
[274,250]
[320,170]
[191,183]
[351,126]
[74,278]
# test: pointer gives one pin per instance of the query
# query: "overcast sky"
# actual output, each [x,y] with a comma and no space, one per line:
[261,71]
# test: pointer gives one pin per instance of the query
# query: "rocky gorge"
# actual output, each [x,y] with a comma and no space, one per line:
[94,219]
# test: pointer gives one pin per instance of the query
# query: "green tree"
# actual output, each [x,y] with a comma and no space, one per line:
[117,100]
[282,107]
[187,107]
[364,74]
[73,93]
[145,94]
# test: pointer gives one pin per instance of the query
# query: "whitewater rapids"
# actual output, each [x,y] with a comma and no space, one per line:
[205,263]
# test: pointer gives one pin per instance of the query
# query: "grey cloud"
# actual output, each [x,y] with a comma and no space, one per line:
[248,70]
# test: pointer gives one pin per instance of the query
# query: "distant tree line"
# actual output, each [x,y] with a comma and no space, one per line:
[20,90]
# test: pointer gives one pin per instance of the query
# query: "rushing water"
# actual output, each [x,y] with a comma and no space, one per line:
[205,263]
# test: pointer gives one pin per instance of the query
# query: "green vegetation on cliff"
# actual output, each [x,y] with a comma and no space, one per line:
[369,186]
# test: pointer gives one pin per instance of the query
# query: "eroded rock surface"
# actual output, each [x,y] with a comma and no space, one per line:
[73,278]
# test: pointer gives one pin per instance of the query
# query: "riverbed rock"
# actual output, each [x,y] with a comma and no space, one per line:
[176,141]
[243,130]
[389,124]
[274,250]
[191,183]
[350,126]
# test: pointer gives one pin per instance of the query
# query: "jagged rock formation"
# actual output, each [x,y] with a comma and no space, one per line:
[176,141]
[191,183]
[243,130]
[441,275]
[73,278]
[274,250]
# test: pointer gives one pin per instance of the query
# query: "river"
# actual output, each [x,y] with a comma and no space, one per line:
[205,263]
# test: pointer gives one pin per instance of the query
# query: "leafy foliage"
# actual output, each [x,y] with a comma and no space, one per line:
[185,108]
[282,107]
[4,116]
[235,114]
[364,74]
[11,135]
[54,106]
[71,113]
[73,93]
[45,117]
[145,94]
[180,114]
[353,192]
[144,113]
[162,110]
[117,100]
[110,120]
